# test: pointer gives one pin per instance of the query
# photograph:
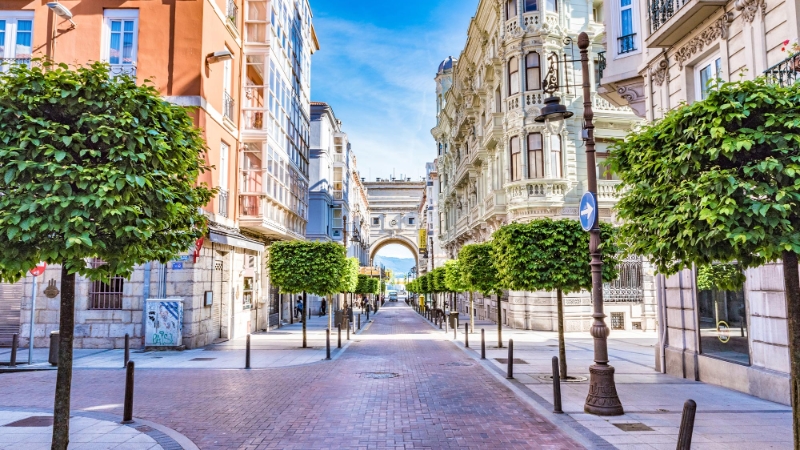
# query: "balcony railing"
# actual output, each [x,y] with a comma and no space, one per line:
[6,63]
[123,69]
[228,106]
[785,72]
[233,13]
[601,64]
[627,43]
[222,203]
[662,10]
[250,205]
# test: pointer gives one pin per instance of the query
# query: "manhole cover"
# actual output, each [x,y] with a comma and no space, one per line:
[505,361]
[457,364]
[33,421]
[202,359]
[379,375]
[569,379]
[633,427]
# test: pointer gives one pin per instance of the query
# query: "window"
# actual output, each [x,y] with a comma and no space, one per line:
[376,221]
[533,79]
[513,76]
[223,166]
[16,37]
[411,221]
[105,293]
[535,156]
[516,159]
[707,73]
[617,320]
[603,169]
[722,315]
[511,9]
[552,5]
[626,40]
[247,293]
[531,5]
[338,222]
[555,156]
[121,40]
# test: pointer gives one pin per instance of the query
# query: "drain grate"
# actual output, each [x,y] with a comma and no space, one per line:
[505,361]
[379,375]
[33,421]
[569,379]
[633,427]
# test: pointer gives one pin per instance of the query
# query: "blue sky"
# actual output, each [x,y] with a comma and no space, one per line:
[376,68]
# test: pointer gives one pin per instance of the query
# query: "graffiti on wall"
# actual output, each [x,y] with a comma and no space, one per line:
[164,323]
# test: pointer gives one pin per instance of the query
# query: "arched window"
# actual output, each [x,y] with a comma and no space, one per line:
[535,156]
[533,78]
[511,9]
[513,76]
[516,159]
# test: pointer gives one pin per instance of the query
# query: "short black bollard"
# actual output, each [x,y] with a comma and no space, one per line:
[14,344]
[127,409]
[339,330]
[687,425]
[510,370]
[466,335]
[439,319]
[127,349]
[348,330]
[327,343]
[247,353]
[359,322]
[556,387]
[483,343]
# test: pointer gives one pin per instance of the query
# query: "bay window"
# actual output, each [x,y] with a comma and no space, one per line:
[531,5]
[513,76]
[555,156]
[516,159]
[535,156]
[533,79]
[511,9]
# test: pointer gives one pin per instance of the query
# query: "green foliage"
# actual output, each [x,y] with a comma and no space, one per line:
[724,277]
[437,282]
[715,181]
[350,275]
[363,285]
[374,286]
[549,255]
[454,278]
[478,268]
[424,284]
[314,267]
[95,166]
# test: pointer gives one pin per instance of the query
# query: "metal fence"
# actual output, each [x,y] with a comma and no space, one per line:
[627,43]
[629,285]
[785,72]
[663,10]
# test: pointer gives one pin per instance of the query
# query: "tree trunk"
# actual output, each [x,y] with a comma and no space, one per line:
[499,323]
[64,377]
[791,281]
[471,313]
[303,318]
[562,350]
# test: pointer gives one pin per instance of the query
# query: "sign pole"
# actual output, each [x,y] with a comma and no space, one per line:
[33,312]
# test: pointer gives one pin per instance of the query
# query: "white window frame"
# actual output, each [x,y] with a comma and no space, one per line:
[227,75]
[11,18]
[110,15]
[709,61]
[617,32]
[224,160]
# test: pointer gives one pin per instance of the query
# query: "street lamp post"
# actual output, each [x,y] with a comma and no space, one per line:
[602,399]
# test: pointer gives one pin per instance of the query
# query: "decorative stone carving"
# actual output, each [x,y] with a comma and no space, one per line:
[718,29]
[749,8]
[659,72]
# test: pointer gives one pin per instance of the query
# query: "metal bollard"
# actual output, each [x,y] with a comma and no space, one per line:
[127,414]
[127,349]
[348,330]
[466,335]
[483,343]
[327,343]
[339,330]
[510,370]
[687,425]
[439,319]
[455,336]
[247,353]
[359,321]
[14,344]
[556,387]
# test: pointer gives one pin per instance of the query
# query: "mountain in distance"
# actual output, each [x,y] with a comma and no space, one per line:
[399,266]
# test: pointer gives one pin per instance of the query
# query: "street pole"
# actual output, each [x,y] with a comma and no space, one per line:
[33,312]
[602,399]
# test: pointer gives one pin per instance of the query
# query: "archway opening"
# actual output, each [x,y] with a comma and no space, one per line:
[400,260]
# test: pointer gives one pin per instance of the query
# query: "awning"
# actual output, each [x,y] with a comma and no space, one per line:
[221,237]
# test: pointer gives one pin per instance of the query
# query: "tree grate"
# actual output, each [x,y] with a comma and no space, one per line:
[633,427]
[379,375]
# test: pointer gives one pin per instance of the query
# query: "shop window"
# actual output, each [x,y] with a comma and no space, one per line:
[722,313]
[247,293]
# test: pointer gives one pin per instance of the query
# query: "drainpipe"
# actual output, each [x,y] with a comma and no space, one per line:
[661,299]
[145,295]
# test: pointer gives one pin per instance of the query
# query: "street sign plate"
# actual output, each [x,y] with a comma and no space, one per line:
[588,211]
[177,266]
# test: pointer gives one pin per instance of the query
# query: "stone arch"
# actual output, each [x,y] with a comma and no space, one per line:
[402,240]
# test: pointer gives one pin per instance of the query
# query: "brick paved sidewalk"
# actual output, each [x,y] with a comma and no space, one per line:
[400,385]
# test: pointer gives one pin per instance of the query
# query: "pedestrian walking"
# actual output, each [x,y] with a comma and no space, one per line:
[299,309]
[323,309]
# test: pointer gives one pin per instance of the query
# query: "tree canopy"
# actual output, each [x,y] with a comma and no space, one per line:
[716,180]
[95,166]
[314,267]
[478,268]
[350,275]
[454,278]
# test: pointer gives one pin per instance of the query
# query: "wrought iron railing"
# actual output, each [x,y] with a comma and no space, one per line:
[629,285]
[627,43]
[6,63]
[123,69]
[228,104]
[601,65]
[222,200]
[663,10]
[233,13]
[785,72]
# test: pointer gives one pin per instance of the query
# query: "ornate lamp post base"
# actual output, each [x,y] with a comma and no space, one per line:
[602,399]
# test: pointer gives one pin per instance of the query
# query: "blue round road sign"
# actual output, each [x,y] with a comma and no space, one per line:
[588,211]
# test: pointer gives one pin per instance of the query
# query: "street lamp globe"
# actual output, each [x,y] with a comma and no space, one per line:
[553,111]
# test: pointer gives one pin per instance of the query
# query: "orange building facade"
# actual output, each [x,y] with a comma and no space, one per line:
[244,67]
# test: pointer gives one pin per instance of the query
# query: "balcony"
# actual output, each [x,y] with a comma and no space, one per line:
[670,19]
[255,216]
[785,72]
[222,203]
[601,105]
[537,190]
[123,69]
[626,44]
[608,190]
[228,106]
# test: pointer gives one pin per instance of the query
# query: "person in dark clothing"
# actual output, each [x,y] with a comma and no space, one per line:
[323,309]
[299,310]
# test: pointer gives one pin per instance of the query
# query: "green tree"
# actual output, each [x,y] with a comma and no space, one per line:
[454,279]
[350,278]
[725,277]
[315,267]
[481,275]
[92,166]
[551,255]
[717,181]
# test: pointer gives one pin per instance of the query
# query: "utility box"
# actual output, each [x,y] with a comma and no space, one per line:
[54,343]
[453,320]
[164,323]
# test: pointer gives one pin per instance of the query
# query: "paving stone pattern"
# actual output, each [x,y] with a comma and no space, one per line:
[440,399]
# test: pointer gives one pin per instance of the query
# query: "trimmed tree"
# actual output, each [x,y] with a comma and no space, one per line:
[718,181]
[480,275]
[454,279]
[349,282]
[551,255]
[93,166]
[315,267]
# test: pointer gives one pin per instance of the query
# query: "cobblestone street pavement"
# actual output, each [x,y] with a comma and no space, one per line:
[439,398]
